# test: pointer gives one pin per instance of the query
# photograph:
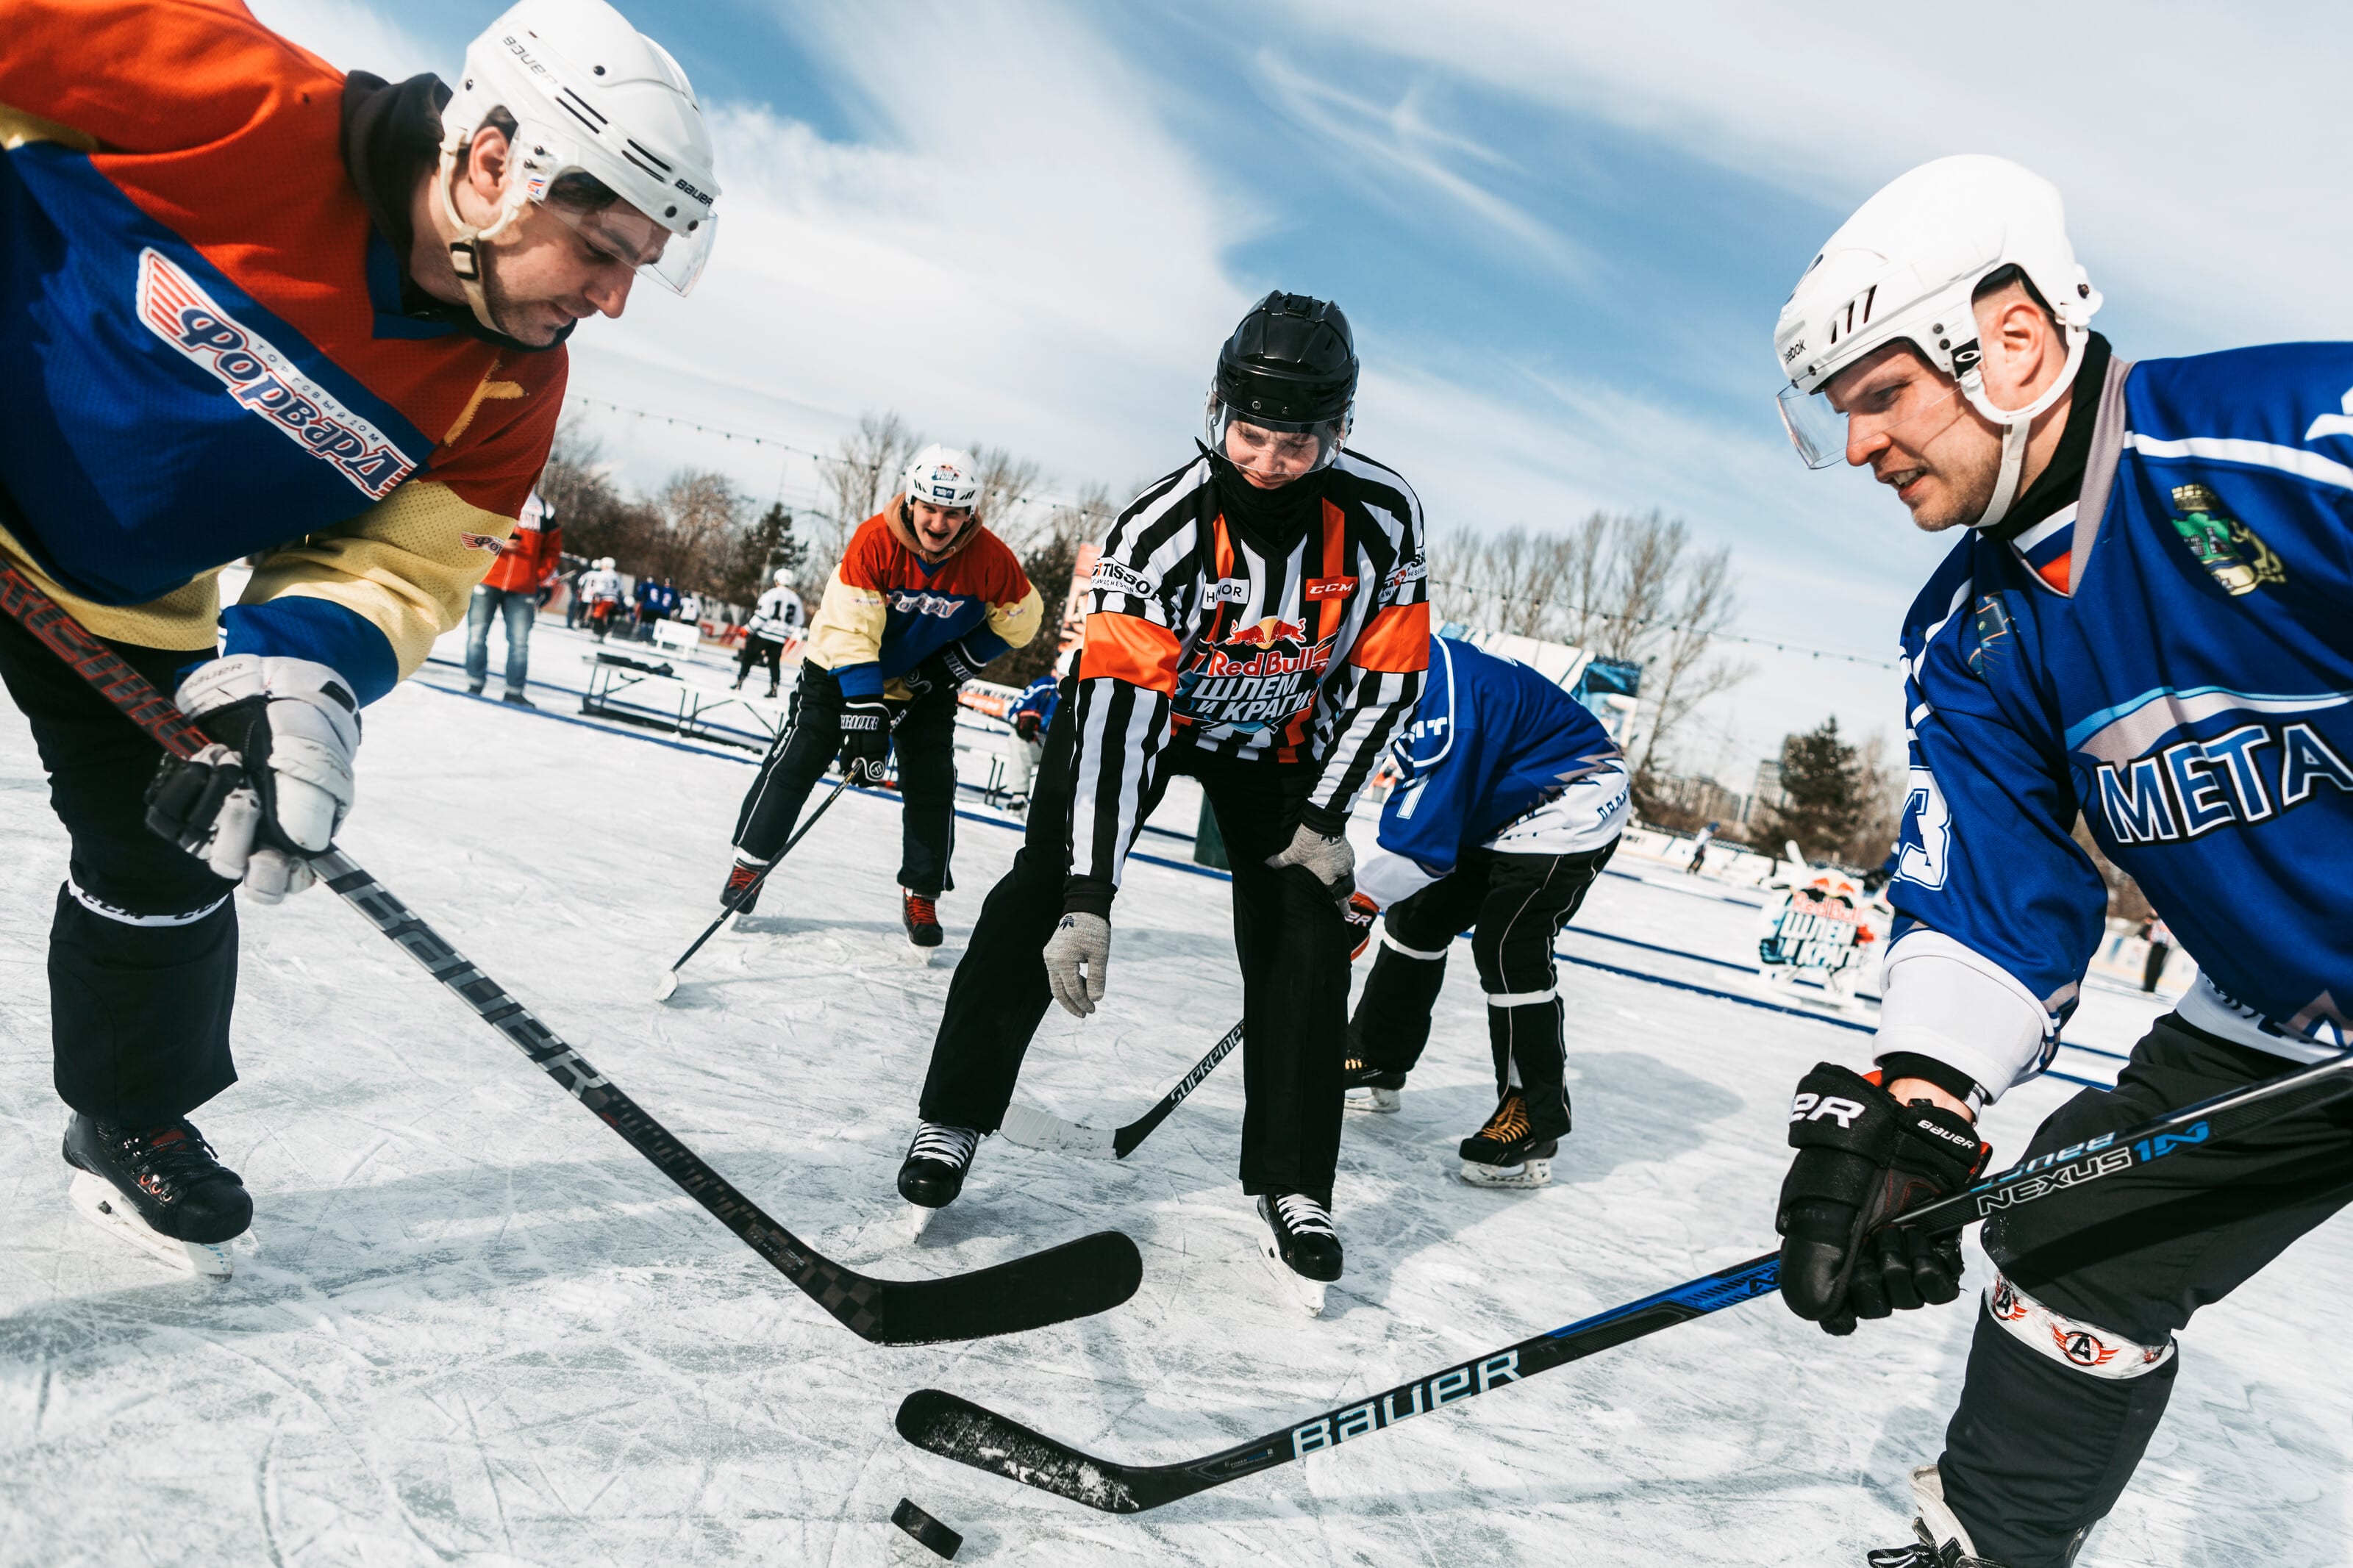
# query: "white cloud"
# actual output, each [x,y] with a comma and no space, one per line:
[2201,150]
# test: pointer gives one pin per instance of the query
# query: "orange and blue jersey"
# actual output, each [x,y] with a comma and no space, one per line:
[207,356]
[886,608]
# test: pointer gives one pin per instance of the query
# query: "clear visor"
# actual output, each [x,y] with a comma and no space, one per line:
[1900,397]
[628,237]
[1275,450]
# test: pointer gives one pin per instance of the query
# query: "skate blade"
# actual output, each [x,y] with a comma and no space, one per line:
[1534,1174]
[1380,1099]
[99,1204]
[918,1220]
[1306,1294]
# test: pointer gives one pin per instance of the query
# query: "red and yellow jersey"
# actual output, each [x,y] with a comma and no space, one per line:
[202,336]
[886,609]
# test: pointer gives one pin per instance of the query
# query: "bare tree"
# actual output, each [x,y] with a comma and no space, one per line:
[1049,553]
[702,513]
[858,478]
[1619,585]
[1007,484]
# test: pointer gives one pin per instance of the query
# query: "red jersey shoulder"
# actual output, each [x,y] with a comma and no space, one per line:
[875,558]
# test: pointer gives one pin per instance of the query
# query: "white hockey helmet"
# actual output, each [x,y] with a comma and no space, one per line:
[604,564]
[783,577]
[944,476]
[589,94]
[1905,267]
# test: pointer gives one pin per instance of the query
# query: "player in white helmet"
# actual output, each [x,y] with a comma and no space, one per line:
[2147,547]
[776,619]
[924,595]
[191,200]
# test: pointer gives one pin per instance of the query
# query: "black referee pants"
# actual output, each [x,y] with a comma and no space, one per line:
[922,739]
[1288,935]
[142,946]
[2038,1452]
[1515,906]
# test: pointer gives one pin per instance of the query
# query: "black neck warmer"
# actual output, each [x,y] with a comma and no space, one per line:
[392,139]
[2057,486]
[1272,518]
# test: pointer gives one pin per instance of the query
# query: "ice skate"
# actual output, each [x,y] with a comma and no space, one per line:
[1300,1246]
[933,1172]
[922,916]
[742,892]
[1371,1088]
[160,1189]
[1940,1542]
[1506,1152]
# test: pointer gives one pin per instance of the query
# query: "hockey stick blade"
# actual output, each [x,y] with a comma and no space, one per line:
[1035,1128]
[1078,1279]
[957,1429]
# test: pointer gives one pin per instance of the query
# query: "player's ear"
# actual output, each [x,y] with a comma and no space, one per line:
[487,157]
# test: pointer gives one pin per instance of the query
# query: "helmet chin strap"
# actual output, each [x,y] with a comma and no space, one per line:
[2017,424]
[466,242]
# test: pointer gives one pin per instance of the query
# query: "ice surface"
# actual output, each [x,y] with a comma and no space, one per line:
[477,1329]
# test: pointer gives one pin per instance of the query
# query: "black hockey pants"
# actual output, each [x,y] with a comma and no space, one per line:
[756,651]
[1515,906]
[142,949]
[2038,1451]
[1289,936]
[923,739]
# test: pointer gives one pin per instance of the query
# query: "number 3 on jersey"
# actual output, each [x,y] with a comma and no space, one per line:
[1928,832]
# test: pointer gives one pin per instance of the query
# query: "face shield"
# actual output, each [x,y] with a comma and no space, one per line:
[1899,397]
[626,237]
[1279,450]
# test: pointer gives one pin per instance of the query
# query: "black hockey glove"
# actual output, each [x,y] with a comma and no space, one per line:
[865,740]
[1862,1161]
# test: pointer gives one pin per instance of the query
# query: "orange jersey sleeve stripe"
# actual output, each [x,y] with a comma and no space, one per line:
[1395,640]
[1130,648]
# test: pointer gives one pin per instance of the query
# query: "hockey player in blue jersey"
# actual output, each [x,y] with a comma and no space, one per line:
[2147,620]
[1512,797]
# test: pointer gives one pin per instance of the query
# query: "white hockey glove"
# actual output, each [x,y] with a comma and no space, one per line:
[1330,857]
[1081,941]
[276,782]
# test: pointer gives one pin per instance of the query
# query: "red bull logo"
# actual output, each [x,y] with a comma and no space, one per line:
[1268,647]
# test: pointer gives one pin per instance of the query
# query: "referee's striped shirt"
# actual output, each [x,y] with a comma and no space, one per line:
[1196,628]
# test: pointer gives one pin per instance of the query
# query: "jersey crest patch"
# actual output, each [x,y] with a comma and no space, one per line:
[2226,547]
[270,386]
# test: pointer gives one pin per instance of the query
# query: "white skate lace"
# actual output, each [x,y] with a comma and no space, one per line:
[949,1145]
[1303,1216]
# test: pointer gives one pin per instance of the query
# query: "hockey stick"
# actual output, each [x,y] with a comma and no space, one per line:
[1037,1129]
[1075,1279]
[666,985]
[958,1429]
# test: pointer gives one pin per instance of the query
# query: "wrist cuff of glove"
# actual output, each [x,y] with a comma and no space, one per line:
[860,720]
[1324,820]
[1087,896]
[1897,1065]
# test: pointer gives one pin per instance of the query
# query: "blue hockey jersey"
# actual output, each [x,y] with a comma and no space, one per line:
[1493,741]
[2173,658]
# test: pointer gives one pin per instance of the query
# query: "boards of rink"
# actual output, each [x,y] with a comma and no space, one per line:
[463,1339]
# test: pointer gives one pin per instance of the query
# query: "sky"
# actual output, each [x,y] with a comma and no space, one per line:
[1561,232]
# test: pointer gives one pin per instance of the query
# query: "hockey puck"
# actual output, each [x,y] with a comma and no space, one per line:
[925,1528]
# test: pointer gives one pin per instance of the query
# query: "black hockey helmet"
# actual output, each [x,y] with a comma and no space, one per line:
[1291,365]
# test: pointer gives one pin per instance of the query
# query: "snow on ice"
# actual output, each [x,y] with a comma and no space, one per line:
[472,1327]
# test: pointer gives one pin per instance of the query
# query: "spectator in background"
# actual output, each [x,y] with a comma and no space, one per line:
[1031,715]
[574,605]
[600,587]
[776,620]
[527,564]
[1699,850]
[2160,948]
